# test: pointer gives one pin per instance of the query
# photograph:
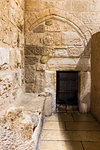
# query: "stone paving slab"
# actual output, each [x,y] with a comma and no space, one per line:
[91,145]
[73,131]
[85,126]
[82,117]
[71,135]
[60,117]
[60,145]
[54,125]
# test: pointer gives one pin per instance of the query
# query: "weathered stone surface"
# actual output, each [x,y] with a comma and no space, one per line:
[43,59]
[48,22]
[4,58]
[59,29]
[29,88]
[39,82]
[30,74]
[11,46]
[41,67]
[68,52]
[20,125]
[39,29]
[14,122]
[80,5]
[29,50]
[69,63]
[47,103]
[36,50]
[29,60]
[48,40]
[85,89]
[64,45]
[31,102]
[32,5]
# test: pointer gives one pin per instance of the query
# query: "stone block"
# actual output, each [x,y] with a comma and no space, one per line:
[95,5]
[4,58]
[29,88]
[36,50]
[60,53]
[29,60]
[32,5]
[43,59]
[71,38]
[34,38]
[80,6]
[49,76]
[53,25]
[48,22]
[16,120]
[40,67]
[57,38]
[48,39]
[29,50]
[39,50]
[40,82]
[69,64]
[48,105]
[30,74]
[85,87]
[6,83]
[39,29]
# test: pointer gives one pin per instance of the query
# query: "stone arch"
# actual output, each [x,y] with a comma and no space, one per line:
[63,16]
[48,59]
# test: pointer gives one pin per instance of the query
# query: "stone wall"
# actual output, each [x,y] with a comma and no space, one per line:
[11,51]
[58,37]
[95,75]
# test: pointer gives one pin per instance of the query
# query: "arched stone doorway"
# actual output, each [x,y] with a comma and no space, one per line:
[57,42]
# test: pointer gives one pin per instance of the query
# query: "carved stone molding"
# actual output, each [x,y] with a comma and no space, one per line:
[63,16]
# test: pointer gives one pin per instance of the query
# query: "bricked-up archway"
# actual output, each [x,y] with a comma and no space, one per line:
[57,42]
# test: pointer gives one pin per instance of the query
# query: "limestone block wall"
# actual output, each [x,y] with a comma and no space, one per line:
[87,11]
[58,37]
[11,51]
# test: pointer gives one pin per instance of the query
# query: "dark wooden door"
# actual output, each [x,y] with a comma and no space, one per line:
[67,87]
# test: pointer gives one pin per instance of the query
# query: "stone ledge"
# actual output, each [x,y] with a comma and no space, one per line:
[21,123]
[31,102]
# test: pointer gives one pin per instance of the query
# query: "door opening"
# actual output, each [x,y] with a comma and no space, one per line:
[67,89]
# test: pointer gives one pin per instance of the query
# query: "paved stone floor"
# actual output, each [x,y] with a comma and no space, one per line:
[73,131]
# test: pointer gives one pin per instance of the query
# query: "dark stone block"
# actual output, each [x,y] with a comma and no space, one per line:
[36,50]
[39,29]
[29,60]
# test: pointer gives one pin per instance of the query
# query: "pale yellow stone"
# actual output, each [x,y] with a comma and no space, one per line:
[71,135]
[54,125]
[60,117]
[44,59]
[32,5]
[69,63]
[60,145]
[79,5]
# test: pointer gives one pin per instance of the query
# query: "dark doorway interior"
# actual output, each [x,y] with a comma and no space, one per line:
[67,88]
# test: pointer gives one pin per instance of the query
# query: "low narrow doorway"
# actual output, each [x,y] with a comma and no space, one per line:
[67,89]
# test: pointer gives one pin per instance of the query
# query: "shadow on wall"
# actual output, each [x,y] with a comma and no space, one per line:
[95,75]
[85,79]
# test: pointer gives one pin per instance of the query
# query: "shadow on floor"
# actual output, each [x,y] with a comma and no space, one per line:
[70,131]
